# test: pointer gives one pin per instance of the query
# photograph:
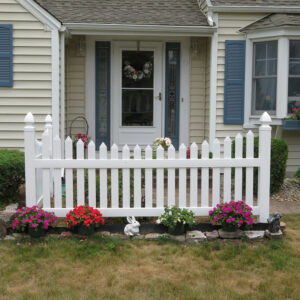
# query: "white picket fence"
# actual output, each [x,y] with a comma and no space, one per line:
[45,164]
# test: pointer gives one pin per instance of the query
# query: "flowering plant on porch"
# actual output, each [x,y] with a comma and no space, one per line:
[176,219]
[232,215]
[84,217]
[295,114]
[32,218]
[164,142]
[85,139]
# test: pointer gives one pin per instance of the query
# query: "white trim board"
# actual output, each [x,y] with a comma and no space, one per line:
[184,85]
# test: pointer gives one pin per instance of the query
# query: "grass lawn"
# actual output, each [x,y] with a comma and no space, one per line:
[103,268]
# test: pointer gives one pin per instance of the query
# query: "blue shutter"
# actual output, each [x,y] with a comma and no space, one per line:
[234,82]
[6,55]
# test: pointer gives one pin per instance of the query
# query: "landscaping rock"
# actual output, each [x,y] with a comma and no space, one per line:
[3,230]
[65,234]
[152,236]
[282,226]
[21,235]
[178,238]
[139,237]
[231,235]
[195,236]
[274,235]
[54,235]
[120,236]
[254,235]
[9,238]
[212,235]
[11,207]
[103,233]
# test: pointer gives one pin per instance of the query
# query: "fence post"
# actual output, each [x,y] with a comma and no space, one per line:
[264,171]
[49,127]
[29,145]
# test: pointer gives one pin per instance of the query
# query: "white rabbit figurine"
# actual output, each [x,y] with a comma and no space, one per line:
[133,228]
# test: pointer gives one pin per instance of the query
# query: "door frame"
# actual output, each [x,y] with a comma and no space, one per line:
[90,75]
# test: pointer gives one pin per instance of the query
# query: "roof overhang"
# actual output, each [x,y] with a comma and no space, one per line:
[273,32]
[255,9]
[41,14]
[149,30]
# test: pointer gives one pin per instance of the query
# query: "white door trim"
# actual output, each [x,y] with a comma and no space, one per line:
[90,76]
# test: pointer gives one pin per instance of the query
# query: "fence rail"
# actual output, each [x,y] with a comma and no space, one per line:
[138,184]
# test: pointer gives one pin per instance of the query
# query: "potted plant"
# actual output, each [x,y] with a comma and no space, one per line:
[176,220]
[33,219]
[232,215]
[164,142]
[293,122]
[84,218]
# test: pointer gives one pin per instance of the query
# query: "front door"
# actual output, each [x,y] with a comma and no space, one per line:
[138,96]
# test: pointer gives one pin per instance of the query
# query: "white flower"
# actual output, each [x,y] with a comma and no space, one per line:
[170,213]
[183,222]
[158,221]
[168,142]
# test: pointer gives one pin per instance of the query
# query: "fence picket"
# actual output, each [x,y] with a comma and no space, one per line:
[103,177]
[80,174]
[46,172]
[69,173]
[137,179]
[92,175]
[194,178]
[160,179]
[227,171]
[148,179]
[114,179]
[171,178]
[249,171]
[182,178]
[57,173]
[126,178]
[238,181]
[216,174]
[205,177]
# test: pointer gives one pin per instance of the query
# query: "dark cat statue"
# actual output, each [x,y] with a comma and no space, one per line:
[274,222]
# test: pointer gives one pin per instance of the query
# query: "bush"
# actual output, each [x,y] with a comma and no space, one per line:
[297,174]
[279,155]
[12,175]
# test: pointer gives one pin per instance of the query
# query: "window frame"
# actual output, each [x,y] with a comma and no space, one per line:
[283,36]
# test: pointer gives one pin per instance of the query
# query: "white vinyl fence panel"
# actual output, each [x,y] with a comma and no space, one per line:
[136,182]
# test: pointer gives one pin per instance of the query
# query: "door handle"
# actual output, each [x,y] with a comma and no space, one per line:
[158,97]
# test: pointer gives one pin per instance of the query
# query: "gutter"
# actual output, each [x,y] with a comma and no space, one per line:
[252,9]
[115,29]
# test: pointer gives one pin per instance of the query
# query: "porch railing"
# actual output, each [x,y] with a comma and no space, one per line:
[141,184]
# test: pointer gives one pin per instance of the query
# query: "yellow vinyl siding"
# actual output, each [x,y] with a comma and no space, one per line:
[198,93]
[31,89]
[293,140]
[75,85]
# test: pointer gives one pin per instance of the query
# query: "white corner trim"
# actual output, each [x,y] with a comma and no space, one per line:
[41,14]
[248,81]
[62,89]
[213,89]
[55,81]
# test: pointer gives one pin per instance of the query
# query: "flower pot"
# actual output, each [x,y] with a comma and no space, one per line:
[291,124]
[229,227]
[85,230]
[179,229]
[37,232]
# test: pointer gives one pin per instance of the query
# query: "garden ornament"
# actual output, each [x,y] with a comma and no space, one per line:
[274,222]
[133,228]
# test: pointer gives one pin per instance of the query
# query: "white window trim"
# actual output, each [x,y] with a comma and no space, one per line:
[283,36]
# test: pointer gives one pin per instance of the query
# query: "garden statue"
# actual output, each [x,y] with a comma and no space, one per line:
[133,228]
[274,222]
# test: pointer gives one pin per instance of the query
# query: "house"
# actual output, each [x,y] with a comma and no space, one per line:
[136,70]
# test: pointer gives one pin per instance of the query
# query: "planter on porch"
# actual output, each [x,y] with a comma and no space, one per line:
[291,124]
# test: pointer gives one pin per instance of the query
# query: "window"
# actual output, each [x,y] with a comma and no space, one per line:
[6,48]
[264,77]
[294,76]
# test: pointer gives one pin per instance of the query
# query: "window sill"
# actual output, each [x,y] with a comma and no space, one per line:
[254,122]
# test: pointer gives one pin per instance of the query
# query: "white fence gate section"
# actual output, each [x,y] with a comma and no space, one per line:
[140,184]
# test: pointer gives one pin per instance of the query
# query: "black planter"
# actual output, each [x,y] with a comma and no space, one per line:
[85,230]
[291,124]
[179,229]
[229,227]
[37,232]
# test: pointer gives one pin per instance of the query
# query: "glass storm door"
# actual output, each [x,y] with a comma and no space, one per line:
[139,93]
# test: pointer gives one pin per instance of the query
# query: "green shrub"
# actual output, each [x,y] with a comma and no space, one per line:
[12,175]
[297,174]
[279,155]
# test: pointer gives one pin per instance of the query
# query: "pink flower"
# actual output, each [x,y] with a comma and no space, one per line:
[34,225]
[215,219]
[233,219]
[228,220]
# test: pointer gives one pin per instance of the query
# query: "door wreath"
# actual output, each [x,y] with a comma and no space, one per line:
[131,73]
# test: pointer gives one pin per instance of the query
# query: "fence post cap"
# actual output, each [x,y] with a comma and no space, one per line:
[265,119]
[29,118]
[48,119]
